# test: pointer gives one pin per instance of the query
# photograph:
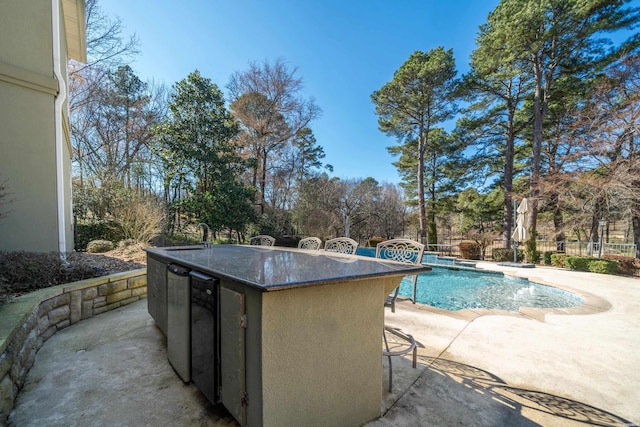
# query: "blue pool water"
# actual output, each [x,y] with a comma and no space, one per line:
[454,289]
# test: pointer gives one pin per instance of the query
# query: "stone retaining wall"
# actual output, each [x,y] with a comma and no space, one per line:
[29,320]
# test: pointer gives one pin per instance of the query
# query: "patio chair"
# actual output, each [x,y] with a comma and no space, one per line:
[310,243]
[410,252]
[402,250]
[262,240]
[343,245]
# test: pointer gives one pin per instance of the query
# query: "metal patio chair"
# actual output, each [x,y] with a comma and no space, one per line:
[310,243]
[262,240]
[410,252]
[343,245]
[402,250]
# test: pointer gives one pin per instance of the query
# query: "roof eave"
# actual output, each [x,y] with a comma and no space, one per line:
[74,23]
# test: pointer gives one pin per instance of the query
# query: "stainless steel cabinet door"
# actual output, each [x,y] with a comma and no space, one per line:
[179,323]
[232,357]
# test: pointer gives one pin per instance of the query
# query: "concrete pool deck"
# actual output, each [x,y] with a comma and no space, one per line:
[552,367]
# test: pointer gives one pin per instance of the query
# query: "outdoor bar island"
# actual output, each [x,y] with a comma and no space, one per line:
[279,336]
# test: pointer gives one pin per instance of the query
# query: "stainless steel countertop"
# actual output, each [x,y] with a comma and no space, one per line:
[278,268]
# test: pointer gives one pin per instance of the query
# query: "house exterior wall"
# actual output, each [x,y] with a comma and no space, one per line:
[28,167]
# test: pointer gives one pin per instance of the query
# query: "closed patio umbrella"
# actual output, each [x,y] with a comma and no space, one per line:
[520,233]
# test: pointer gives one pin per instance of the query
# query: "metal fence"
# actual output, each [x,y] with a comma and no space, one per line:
[574,248]
[587,248]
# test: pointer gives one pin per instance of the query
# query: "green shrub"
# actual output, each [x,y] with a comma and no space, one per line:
[603,266]
[577,263]
[533,255]
[594,265]
[87,231]
[373,242]
[558,260]
[546,257]
[503,254]
[99,246]
[469,249]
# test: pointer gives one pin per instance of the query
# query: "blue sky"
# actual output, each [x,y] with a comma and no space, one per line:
[343,50]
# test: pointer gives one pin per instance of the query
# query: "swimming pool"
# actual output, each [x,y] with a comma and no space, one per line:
[455,289]
[459,289]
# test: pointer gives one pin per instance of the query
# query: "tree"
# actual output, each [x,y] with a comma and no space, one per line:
[479,215]
[478,212]
[551,39]
[198,138]
[443,168]
[491,124]
[266,99]
[419,96]
[356,200]
[112,113]
[112,129]
[106,47]
[307,155]
[556,153]
[608,161]
[316,209]
[390,213]
[297,162]
[106,50]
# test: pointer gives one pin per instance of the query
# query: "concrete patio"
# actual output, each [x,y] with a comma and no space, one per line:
[485,368]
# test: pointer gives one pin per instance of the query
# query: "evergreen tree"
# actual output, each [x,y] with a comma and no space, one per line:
[419,97]
[197,140]
[549,40]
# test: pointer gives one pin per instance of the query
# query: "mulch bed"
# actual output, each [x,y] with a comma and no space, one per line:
[22,272]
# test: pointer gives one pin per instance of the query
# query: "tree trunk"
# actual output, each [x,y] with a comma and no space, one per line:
[507,220]
[432,232]
[635,222]
[558,223]
[345,224]
[263,181]
[534,185]
[594,231]
[422,142]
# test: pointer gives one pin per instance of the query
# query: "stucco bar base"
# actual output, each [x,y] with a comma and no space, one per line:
[320,350]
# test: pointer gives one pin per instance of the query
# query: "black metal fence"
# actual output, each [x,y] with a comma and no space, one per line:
[575,248]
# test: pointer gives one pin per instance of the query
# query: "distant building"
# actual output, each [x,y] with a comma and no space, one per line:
[36,39]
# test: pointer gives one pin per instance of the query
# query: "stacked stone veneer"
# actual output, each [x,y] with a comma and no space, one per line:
[28,321]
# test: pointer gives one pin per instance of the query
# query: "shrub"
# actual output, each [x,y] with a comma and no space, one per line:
[373,242]
[503,254]
[627,265]
[577,263]
[126,243]
[140,218]
[594,265]
[533,256]
[287,241]
[546,257]
[603,266]
[558,260]
[469,249]
[87,230]
[99,246]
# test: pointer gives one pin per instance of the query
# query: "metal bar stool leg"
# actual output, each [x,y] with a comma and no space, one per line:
[388,354]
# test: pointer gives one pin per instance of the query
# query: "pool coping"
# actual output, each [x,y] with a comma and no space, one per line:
[592,303]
